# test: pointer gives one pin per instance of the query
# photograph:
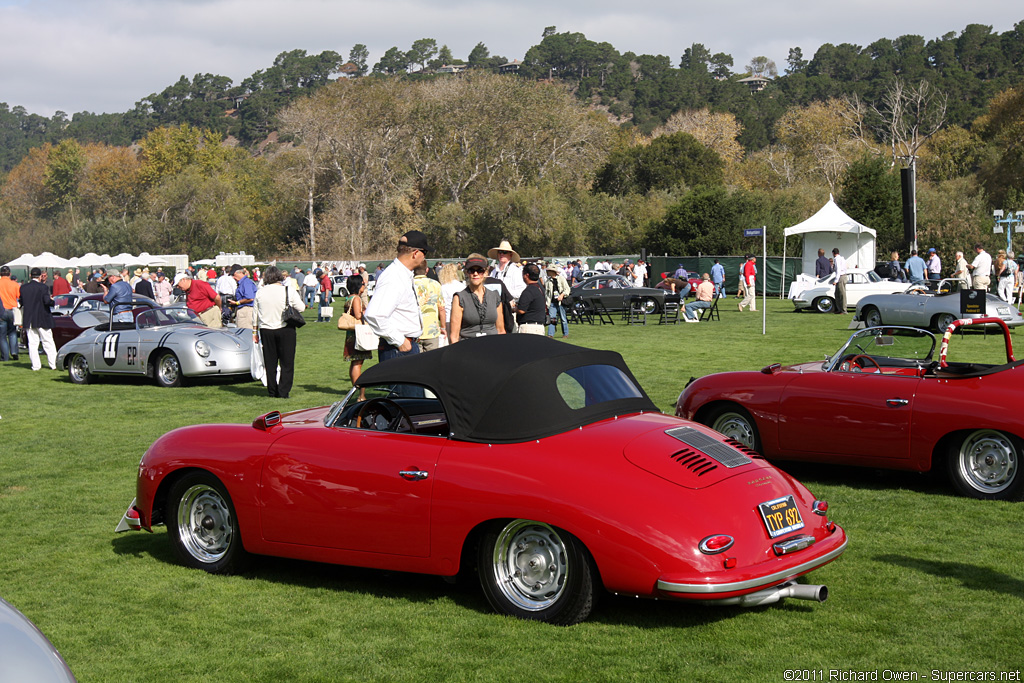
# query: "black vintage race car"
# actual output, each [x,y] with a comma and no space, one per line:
[617,293]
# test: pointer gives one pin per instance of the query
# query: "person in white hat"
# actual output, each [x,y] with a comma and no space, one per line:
[508,269]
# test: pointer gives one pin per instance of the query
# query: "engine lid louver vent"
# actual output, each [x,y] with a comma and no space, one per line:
[705,445]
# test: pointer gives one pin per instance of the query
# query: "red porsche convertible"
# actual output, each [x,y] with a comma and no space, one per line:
[543,466]
[888,398]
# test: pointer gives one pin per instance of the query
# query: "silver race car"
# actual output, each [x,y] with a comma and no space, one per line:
[167,344]
[932,304]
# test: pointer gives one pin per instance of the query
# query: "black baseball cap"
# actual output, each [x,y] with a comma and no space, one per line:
[416,240]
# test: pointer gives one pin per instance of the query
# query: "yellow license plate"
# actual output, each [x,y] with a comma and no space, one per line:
[780,516]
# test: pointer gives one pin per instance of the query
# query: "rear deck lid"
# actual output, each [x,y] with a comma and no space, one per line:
[690,456]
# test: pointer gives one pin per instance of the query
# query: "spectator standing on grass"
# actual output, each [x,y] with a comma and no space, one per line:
[981,268]
[1007,277]
[162,289]
[530,308]
[507,268]
[37,320]
[428,291]
[202,300]
[961,271]
[394,311]
[353,304]
[277,338]
[839,264]
[244,298]
[822,266]
[476,310]
[915,267]
[450,283]
[9,293]
[934,265]
[749,275]
[225,287]
[118,294]
[555,290]
[144,287]
[718,279]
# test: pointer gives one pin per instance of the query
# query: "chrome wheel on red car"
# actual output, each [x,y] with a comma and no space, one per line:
[735,423]
[533,571]
[987,465]
[202,526]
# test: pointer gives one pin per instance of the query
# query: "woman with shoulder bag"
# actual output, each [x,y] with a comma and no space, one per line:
[354,307]
[277,337]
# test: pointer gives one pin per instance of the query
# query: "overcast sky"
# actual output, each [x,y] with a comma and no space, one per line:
[105,55]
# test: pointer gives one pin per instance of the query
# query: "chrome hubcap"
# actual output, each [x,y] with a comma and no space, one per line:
[168,369]
[988,461]
[735,427]
[874,319]
[204,523]
[80,368]
[530,564]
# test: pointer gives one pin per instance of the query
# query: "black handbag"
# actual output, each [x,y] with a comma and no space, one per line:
[291,317]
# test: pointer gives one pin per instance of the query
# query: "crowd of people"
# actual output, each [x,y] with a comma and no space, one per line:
[979,273]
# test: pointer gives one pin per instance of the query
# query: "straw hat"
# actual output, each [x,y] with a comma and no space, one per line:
[504,246]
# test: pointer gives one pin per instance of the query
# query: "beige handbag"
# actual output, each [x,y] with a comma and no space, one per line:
[347,321]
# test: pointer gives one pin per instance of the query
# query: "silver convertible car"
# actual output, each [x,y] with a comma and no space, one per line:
[933,304]
[167,344]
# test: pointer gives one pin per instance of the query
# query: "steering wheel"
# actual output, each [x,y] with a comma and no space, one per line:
[389,410]
[854,363]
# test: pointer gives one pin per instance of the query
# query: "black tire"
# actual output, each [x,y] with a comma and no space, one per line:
[943,320]
[202,526]
[167,370]
[872,316]
[78,370]
[824,304]
[533,571]
[986,464]
[734,422]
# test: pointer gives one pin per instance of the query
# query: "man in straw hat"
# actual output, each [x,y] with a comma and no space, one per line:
[508,269]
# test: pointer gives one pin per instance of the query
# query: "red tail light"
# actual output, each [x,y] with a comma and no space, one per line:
[820,507]
[718,543]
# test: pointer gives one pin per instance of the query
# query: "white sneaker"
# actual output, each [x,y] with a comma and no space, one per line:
[691,320]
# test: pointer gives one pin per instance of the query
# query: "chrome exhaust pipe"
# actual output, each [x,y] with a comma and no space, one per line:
[797,591]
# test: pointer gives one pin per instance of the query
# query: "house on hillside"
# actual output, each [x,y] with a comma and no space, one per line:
[451,69]
[756,83]
[510,67]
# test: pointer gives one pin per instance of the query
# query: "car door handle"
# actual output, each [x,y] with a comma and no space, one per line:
[413,475]
[896,402]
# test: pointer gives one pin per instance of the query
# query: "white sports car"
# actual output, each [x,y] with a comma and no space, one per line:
[821,297]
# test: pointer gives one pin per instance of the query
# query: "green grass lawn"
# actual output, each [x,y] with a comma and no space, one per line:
[930,580]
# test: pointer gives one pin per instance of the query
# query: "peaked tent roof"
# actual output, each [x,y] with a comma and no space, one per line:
[830,218]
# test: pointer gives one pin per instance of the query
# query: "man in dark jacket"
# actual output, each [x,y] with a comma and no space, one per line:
[37,320]
[822,267]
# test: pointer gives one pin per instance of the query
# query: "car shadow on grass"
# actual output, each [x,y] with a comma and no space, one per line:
[969,575]
[867,478]
[463,591]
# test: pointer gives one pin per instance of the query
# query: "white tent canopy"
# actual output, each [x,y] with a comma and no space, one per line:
[830,228]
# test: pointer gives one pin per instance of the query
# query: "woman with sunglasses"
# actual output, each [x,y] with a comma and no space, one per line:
[476,310]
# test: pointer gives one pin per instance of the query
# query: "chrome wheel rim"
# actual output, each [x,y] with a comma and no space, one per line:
[945,320]
[988,461]
[648,306]
[873,318]
[735,426]
[168,369]
[530,565]
[205,526]
[79,368]
[824,305]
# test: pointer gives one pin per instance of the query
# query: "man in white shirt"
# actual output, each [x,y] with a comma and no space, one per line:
[981,268]
[394,311]
[508,269]
[640,273]
[839,263]
[226,288]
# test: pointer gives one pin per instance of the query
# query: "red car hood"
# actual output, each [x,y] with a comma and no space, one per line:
[691,455]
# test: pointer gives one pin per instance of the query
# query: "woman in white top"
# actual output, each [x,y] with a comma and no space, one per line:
[278,339]
[450,283]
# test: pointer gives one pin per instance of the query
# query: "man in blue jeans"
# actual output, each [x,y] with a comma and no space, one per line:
[555,290]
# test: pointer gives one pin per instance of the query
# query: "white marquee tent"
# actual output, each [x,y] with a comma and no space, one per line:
[828,229]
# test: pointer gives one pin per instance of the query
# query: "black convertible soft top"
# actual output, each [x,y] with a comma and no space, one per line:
[518,387]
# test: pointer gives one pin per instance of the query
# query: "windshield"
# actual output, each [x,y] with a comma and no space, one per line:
[158,317]
[886,343]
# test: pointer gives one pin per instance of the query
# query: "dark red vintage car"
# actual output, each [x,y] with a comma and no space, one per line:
[89,310]
[543,465]
[888,398]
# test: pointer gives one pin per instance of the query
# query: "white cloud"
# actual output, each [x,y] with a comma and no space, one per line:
[104,55]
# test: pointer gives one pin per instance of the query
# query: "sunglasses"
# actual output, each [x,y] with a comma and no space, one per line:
[504,252]
[475,271]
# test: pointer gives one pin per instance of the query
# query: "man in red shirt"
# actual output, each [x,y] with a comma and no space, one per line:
[202,300]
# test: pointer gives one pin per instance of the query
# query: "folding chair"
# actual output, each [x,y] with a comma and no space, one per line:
[670,311]
[710,313]
[598,309]
[635,313]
